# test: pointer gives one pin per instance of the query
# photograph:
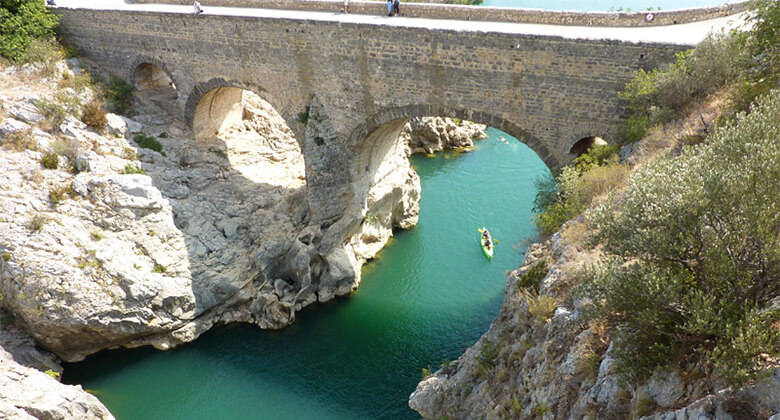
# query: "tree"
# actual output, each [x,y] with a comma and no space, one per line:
[22,22]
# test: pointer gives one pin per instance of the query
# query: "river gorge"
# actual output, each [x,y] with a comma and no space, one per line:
[428,296]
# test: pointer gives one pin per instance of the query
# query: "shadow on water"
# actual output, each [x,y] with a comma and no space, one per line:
[428,296]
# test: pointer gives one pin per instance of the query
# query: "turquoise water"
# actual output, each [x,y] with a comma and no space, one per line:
[429,296]
[603,5]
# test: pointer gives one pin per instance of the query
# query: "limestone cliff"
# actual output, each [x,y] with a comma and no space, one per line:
[120,244]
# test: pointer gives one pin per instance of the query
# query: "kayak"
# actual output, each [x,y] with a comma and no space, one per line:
[487,249]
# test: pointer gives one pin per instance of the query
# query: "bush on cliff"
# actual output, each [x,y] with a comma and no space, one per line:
[573,189]
[694,255]
[21,23]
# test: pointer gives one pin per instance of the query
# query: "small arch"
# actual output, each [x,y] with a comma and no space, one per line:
[155,84]
[584,144]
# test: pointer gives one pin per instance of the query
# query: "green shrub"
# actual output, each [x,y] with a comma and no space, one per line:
[595,156]
[6,256]
[94,115]
[50,161]
[147,142]
[52,373]
[22,22]
[118,94]
[159,269]
[96,235]
[695,255]
[533,276]
[764,35]
[541,307]
[132,169]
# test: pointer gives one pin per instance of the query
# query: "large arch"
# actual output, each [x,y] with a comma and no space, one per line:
[215,85]
[363,131]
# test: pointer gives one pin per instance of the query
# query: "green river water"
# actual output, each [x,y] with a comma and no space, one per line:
[428,296]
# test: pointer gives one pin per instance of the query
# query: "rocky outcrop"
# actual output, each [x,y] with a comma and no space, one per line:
[434,134]
[29,388]
[123,245]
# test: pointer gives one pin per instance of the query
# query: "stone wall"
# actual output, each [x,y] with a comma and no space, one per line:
[433,9]
[548,92]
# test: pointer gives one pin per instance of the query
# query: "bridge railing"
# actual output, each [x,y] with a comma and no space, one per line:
[482,13]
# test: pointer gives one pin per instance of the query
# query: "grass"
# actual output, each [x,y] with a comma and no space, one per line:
[96,235]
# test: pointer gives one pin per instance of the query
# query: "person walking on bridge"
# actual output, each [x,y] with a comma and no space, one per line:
[198,10]
[396,4]
[389,7]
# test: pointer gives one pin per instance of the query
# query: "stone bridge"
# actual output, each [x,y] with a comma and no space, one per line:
[364,77]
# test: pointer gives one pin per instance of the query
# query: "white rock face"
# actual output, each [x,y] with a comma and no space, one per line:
[28,393]
[434,134]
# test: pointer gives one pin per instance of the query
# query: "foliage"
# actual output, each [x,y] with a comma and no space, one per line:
[118,94]
[659,96]
[52,373]
[541,307]
[764,35]
[533,276]
[487,356]
[96,235]
[595,156]
[19,141]
[133,169]
[303,117]
[426,373]
[22,22]
[541,409]
[159,269]
[591,174]
[147,142]
[57,195]
[50,161]
[94,115]
[37,222]
[6,256]
[695,255]
[57,109]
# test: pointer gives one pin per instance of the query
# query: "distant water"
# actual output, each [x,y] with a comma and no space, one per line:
[603,5]
[429,296]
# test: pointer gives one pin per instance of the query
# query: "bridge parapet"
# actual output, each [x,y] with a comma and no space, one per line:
[435,10]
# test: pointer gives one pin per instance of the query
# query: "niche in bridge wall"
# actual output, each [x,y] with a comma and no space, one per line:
[152,80]
[252,135]
[584,144]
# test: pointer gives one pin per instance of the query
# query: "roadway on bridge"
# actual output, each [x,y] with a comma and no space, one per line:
[682,34]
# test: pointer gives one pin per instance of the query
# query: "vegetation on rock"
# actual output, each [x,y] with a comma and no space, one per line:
[94,115]
[694,250]
[147,142]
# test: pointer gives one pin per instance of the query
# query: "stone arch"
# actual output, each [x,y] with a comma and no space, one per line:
[159,68]
[392,115]
[584,144]
[226,91]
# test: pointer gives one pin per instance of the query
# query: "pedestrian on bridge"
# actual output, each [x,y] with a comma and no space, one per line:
[389,7]
[396,4]
[198,10]
[346,6]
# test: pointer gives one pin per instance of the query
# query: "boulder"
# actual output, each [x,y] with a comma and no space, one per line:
[12,126]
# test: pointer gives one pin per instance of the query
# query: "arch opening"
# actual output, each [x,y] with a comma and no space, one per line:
[584,144]
[154,84]
[252,135]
